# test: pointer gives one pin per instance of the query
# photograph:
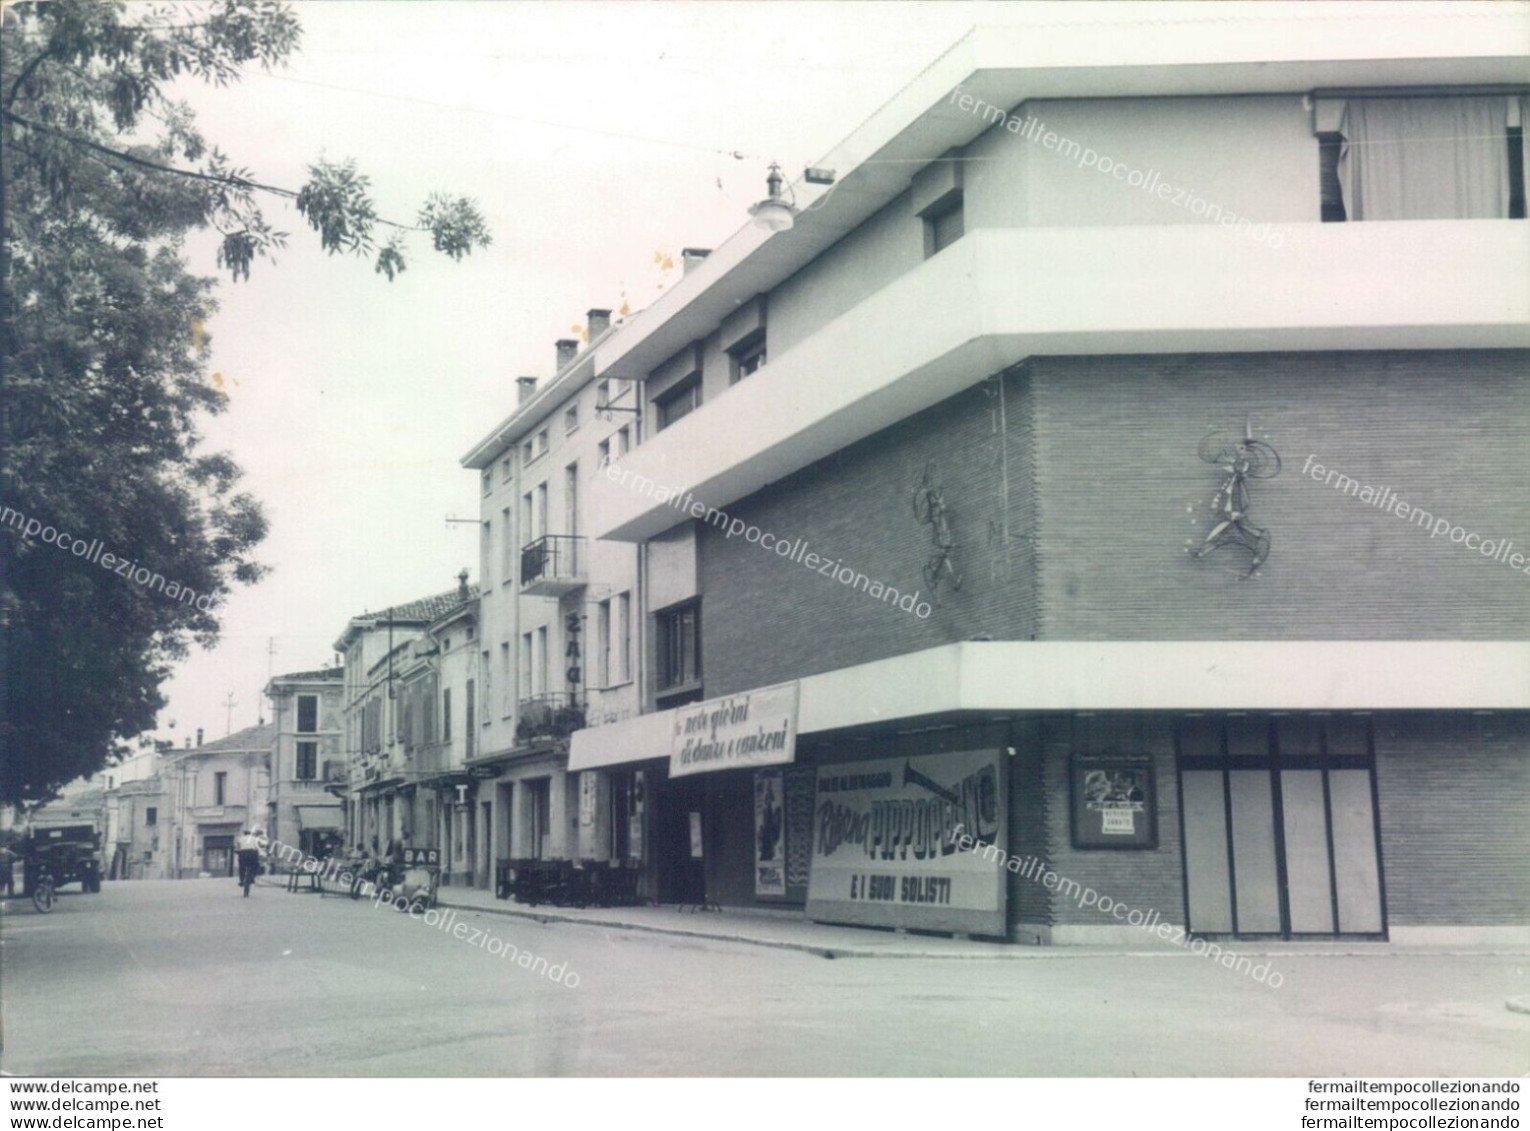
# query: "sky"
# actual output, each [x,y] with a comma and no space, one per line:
[599,140]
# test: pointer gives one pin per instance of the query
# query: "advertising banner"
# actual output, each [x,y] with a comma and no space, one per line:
[884,843]
[757,728]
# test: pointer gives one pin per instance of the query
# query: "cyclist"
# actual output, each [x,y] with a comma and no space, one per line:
[248,847]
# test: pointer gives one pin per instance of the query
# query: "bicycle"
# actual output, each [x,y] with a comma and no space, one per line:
[43,893]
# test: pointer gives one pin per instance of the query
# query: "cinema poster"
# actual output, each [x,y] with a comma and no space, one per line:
[1115,804]
[769,835]
[885,849]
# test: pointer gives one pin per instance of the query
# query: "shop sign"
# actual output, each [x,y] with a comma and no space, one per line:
[1114,801]
[482,773]
[885,849]
[588,797]
[422,857]
[757,728]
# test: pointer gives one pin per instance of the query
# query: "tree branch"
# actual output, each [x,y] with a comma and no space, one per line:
[155,166]
[26,73]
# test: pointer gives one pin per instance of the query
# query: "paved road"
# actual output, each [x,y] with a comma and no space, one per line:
[189,979]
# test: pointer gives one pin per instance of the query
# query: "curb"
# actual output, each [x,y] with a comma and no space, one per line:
[1001,951]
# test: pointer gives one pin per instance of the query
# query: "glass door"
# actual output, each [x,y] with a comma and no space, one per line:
[1280,838]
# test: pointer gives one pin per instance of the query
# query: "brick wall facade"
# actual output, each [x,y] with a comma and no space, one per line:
[1072,500]
[1455,818]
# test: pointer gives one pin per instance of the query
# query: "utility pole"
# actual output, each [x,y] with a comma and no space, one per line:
[228,726]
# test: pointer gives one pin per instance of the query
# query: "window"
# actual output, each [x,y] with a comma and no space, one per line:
[446,715]
[679,646]
[526,535]
[623,441]
[220,788]
[747,356]
[602,394]
[485,549]
[542,442]
[151,816]
[571,418]
[571,500]
[506,546]
[539,527]
[308,714]
[605,452]
[623,629]
[1331,195]
[1517,171]
[307,761]
[678,402]
[526,665]
[603,644]
[539,663]
[504,470]
[943,227]
[487,480]
[508,696]
[528,453]
[468,708]
[488,688]
[1426,158]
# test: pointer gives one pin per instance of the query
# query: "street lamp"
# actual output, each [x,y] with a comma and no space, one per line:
[774,213]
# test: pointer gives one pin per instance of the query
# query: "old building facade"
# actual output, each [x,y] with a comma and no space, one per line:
[561,646]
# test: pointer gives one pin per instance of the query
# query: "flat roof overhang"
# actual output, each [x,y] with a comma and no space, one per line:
[997,678]
[1263,49]
[999,295]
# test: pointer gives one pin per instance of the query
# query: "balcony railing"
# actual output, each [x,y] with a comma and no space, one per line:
[554,565]
[553,715]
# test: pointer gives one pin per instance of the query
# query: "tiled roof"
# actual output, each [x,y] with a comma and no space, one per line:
[426,608]
[258,737]
[322,673]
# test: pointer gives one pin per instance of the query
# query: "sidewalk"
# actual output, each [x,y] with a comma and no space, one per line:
[789,931]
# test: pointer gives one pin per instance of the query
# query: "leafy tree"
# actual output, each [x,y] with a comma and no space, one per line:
[105,356]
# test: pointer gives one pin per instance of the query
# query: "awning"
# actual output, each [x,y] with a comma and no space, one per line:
[749,729]
[636,739]
[988,678]
[317,817]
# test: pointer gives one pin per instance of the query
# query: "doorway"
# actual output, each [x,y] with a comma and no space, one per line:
[218,855]
[681,873]
[539,804]
[1279,828]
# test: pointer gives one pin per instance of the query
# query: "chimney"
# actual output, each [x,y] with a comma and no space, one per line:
[600,322]
[199,736]
[568,349]
[524,388]
[462,586]
[691,257]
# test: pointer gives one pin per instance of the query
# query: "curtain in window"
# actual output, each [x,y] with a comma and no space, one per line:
[1425,159]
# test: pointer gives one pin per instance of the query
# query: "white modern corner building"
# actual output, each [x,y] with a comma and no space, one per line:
[1312,725]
